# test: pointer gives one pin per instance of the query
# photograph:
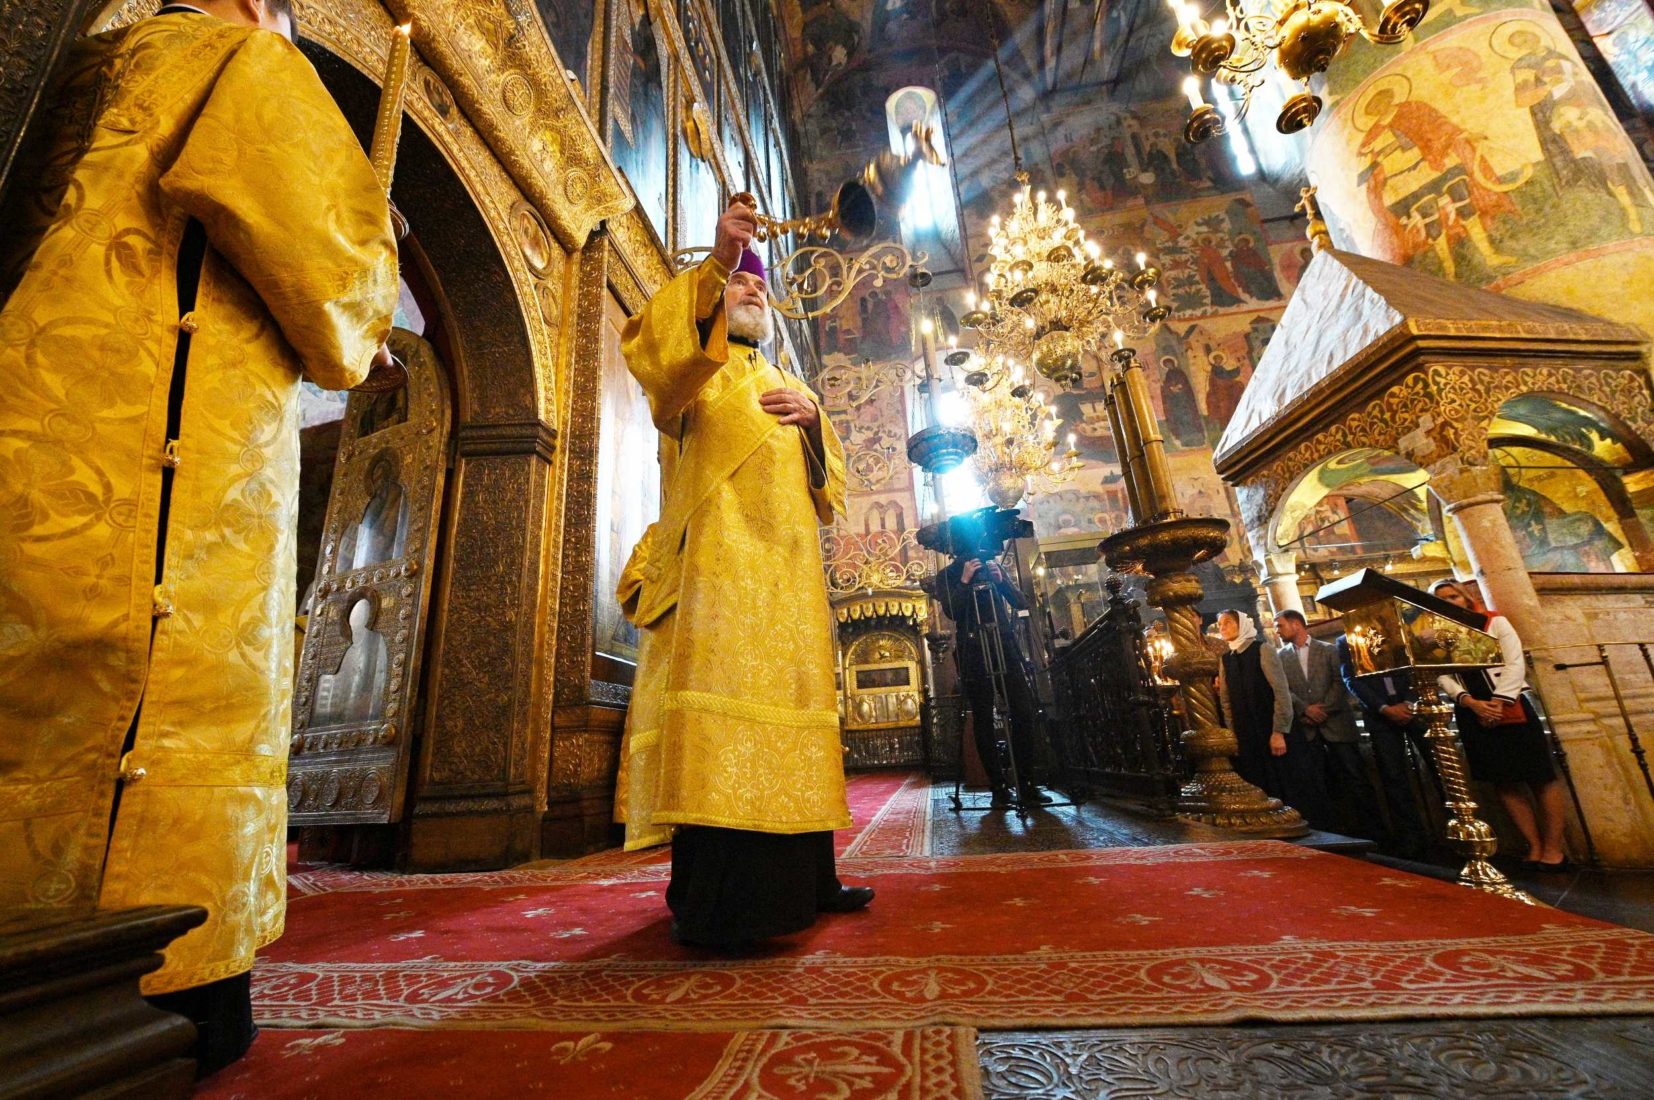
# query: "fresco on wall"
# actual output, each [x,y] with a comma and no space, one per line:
[874,434]
[1103,154]
[1560,516]
[1623,31]
[1475,170]
[1291,258]
[569,24]
[637,99]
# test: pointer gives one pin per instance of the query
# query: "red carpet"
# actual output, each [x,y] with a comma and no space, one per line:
[889,810]
[920,1064]
[1203,933]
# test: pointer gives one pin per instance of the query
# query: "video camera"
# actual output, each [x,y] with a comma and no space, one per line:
[981,534]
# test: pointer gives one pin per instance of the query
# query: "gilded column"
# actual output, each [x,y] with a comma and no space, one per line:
[1483,151]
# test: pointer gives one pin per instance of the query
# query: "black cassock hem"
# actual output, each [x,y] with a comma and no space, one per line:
[732,886]
[222,1013]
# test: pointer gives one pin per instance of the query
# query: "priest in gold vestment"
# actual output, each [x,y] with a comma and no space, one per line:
[732,746]
[200,230]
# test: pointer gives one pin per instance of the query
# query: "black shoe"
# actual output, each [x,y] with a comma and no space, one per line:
[848,900]
[714,945]
[1001,800]
[1033,796]
[1561,866]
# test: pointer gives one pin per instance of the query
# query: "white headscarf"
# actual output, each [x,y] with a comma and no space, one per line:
[1247,635]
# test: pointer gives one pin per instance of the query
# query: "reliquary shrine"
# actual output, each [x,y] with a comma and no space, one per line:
[1463,409]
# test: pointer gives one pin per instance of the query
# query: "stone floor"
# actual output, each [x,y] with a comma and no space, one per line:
[1608,1057]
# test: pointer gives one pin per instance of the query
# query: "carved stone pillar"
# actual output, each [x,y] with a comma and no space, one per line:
[1280,581]
[475,806]
[1605,775]
[1487,169]
[1471,495]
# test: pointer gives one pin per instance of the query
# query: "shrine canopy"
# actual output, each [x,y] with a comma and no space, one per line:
[1355,326]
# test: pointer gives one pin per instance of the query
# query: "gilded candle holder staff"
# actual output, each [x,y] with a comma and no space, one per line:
[387,126]
[387,131]
[1394,628]
[1300,38]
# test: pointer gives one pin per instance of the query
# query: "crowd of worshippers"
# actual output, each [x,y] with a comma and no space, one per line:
[1294,710]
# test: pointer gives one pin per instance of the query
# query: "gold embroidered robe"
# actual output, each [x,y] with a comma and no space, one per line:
[178,116]
[734,717]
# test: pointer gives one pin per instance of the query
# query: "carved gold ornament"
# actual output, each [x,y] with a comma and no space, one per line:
[497,60]
[1300,37]
[872,560]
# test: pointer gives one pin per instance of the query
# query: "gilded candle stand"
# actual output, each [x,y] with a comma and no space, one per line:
[1167,545]
[1394,628]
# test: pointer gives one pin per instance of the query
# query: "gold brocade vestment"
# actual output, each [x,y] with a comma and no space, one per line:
[734,717]
[179,117]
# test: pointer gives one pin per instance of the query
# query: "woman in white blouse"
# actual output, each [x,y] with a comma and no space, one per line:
[1503,740]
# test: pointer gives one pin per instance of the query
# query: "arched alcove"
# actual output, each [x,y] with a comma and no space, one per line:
[1578,484]
[484,334]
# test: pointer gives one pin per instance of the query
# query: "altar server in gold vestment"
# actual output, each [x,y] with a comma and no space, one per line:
[200,231]
[732,740]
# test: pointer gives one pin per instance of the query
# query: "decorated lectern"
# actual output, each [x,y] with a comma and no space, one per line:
[1393,628]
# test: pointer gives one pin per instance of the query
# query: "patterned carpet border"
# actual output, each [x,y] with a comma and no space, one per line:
[931,1063]
[567,874]
[1561,970]
[901,827]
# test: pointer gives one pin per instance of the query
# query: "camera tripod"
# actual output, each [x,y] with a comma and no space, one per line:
[989,630]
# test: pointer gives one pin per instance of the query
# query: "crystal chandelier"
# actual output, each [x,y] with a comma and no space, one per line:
[1050,296]
[1016,442]
[1302,37]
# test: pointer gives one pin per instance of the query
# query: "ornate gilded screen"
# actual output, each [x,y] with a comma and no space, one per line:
[359,670]
[882,684]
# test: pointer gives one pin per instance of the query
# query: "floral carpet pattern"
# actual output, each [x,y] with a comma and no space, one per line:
[934,1063]
[1200,933]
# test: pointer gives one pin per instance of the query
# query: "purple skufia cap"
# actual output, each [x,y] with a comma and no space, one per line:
[750,263]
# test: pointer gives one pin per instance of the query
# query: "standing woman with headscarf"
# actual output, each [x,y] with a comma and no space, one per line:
[1272,756]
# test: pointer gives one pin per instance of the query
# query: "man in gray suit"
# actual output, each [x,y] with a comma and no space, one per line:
[1322,711]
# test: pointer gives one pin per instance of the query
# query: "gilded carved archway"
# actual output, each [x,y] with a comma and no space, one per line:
[1439,412]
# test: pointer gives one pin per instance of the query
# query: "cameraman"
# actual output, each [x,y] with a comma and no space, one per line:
[962,584]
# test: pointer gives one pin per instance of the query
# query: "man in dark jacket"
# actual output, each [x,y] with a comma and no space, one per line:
[971,592]
[1387,710]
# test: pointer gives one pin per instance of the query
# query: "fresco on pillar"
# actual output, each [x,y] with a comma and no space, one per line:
[1479,154]
[1362,59]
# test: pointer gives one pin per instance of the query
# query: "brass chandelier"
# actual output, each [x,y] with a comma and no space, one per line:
[1016,441]
[1050,296]
[1301,38]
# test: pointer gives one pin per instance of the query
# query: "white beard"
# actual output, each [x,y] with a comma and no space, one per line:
[751,322]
